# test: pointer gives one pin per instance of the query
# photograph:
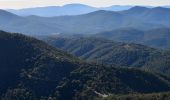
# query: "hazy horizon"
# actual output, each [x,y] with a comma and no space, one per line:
[19,4]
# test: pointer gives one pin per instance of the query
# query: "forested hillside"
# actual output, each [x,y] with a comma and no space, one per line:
[31,64]
[98,81]
[30,70]
[158,38]
[115,53]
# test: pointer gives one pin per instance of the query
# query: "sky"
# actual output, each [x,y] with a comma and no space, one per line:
[18,4]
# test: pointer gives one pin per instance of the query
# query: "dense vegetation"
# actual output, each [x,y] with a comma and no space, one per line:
[31,70]
[89,82]
[26,62]
[115,53]
[159,38]
[153,96]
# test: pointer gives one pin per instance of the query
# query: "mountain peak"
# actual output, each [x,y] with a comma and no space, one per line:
[161,9]
[158,11]
[136,10]
[7,15]
[76,5]
[103,12]
[139,8]
[3,12]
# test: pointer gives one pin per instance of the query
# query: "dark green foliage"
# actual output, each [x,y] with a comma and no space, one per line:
[95,81]
[153,96]
[32,63]
[115,53]
[32,70]
[159,38]
[18,94]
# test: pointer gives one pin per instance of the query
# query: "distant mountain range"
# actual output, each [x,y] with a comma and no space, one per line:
[51,11]
[148,26]
[83,53]
[69,9]
[32,70]
[99,21]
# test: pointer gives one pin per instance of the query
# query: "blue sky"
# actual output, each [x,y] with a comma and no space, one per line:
[96,3]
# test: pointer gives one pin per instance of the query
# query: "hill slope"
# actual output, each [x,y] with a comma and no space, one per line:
[30,61]
[91,82]
[157,96]
[159,38]
[31,70]
[108,52]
